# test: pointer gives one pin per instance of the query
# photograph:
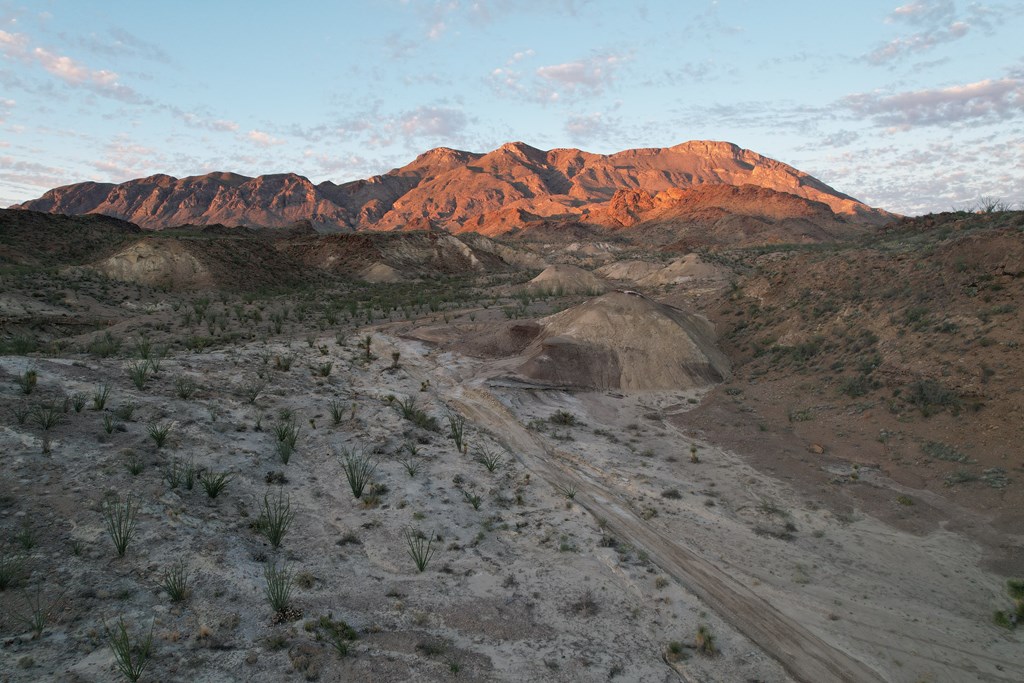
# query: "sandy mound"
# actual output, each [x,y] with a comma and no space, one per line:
[566,280]
[630,271]
[687,268]
[156,263]
[380,272]
[626,341]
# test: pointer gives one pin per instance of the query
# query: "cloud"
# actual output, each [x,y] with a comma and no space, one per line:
[432,122]
[120,42]
[988,100]
[202,122]
[919,13]
[917,42]
[68,70]
[592,74]
[938,22]
[5,109]
[553,82]
[588,127]
[263,139]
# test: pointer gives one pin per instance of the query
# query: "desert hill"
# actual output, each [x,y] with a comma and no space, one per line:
[512,187]
[623,340]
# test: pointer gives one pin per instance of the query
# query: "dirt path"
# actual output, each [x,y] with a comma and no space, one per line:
[803,654]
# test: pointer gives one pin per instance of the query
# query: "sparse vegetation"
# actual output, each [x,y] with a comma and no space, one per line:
[420,547]
[275,518]
[358,471]
[120,517]
[131,653]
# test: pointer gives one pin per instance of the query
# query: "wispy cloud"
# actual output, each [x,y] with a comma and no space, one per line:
[432,122]
[586,128]
[5,109]
[70,71]
[916,43]
[934,23]
[554,82]
[987,100]
[118,42]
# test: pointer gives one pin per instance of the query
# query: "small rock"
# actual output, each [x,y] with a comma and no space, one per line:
[816,448]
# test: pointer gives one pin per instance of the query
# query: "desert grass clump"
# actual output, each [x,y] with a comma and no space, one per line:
[38,614]
[567,490]
[287,433]
[358,471]
[121,518]
[324,369]
[705,641]
[26,536]
[277,515]
[12,570]
[21,411]
[214,483]
[27,381]
[562,418]
[100,396]
[78,401]
[109,423]
[131,654]
[337,412]
[160,432]
[133,463]
[420,547]
[252,389]
[417,416]
[46,416]
[138,371]
[489,459]
[278,587]
[472,498]
[125,411]
[174,473]
[338,634]
[175,581]
[185,387]
[411,465]
[457,430]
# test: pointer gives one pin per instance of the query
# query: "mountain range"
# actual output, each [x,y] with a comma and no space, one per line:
[508,189]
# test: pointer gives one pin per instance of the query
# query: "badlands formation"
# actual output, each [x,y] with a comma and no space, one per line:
[683,414]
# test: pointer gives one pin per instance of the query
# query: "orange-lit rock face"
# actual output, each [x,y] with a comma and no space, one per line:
[509,188]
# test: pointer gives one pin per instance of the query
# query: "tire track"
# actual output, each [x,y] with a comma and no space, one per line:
[803,654]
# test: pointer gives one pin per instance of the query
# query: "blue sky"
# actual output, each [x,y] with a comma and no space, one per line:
[913,106]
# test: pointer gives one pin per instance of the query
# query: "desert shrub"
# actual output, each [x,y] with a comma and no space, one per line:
[214,483]
[175,581]
[185,387]
[120,518]
[358,471]
[131,654]
[27,381]
[275,518]
[930,397]
[159,432]
[562,418]
[417,416]
[278,587]
[420,548]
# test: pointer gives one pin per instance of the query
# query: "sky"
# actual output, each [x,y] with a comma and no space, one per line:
[910,106]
